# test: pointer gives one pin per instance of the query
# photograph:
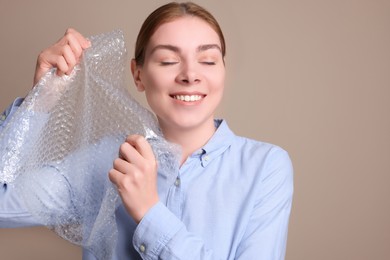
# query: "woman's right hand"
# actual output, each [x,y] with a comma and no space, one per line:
[63,55]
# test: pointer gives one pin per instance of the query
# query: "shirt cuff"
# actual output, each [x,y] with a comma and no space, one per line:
[155,230]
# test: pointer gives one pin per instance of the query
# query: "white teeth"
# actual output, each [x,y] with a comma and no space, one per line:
[188,98]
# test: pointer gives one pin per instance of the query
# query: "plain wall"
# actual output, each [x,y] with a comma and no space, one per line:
[310,76]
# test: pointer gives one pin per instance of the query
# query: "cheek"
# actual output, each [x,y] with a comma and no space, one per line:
[153,100]
[155,88]
[217,80]
[156,80]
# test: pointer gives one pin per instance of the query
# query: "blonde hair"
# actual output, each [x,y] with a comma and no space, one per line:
[167,13]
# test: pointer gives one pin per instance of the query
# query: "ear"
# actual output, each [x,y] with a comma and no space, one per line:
[136,71]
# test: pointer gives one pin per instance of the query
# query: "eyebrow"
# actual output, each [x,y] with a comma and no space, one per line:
[206,47]
[176,49]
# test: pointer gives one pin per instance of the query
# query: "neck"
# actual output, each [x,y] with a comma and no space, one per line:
[190,139]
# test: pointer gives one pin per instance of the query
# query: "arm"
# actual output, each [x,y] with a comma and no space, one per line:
[48,195]
[12,212]
[266,235]
[63,55]
[161,235]
[48,186]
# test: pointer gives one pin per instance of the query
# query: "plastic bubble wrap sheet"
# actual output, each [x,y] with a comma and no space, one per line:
[59,145]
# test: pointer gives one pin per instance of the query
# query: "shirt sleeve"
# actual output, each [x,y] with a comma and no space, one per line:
[49,187]
[13,211]
[266,235]
[161,235]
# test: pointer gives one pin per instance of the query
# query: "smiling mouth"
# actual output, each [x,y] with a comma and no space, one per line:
[188,98]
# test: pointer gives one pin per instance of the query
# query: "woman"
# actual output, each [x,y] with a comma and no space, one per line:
[232,195]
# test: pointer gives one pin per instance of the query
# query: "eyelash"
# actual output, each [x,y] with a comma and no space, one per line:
[208,62]
[167,63]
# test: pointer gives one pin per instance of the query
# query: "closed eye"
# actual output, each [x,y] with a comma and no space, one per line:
[208,62]
[167,63]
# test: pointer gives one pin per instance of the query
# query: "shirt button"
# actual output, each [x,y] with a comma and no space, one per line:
[177,182]
[142,248]
[3,117]
[206,158]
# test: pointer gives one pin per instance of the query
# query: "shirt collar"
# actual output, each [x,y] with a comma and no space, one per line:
[218,143]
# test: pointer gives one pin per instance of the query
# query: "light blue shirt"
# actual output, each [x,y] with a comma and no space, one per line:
[231,200]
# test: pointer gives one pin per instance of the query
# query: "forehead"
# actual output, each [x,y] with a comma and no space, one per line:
[184,32]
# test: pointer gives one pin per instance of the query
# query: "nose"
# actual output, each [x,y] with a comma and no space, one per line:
[188,75]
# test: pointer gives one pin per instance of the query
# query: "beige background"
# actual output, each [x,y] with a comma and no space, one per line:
[311,76]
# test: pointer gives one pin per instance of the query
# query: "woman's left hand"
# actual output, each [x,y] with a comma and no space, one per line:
[135,175]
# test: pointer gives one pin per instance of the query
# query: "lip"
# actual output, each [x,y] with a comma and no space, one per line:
[187,93]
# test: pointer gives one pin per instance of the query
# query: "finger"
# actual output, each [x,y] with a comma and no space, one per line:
[75,46]
[130,154]
[141,145]
[57,61]
[123,166]
[50,57]
[60,57]
[75,41]
[115,176]
[78,43]
[62,66]
[70,58]
[72,33]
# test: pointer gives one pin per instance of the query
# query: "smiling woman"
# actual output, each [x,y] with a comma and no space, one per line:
[183,61]
[231,197]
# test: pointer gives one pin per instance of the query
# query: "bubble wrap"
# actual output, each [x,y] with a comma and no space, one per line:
[59,145]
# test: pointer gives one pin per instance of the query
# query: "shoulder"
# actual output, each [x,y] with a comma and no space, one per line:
[269,166]
[262,160]
[256,149]
[263,166]
[249,151]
